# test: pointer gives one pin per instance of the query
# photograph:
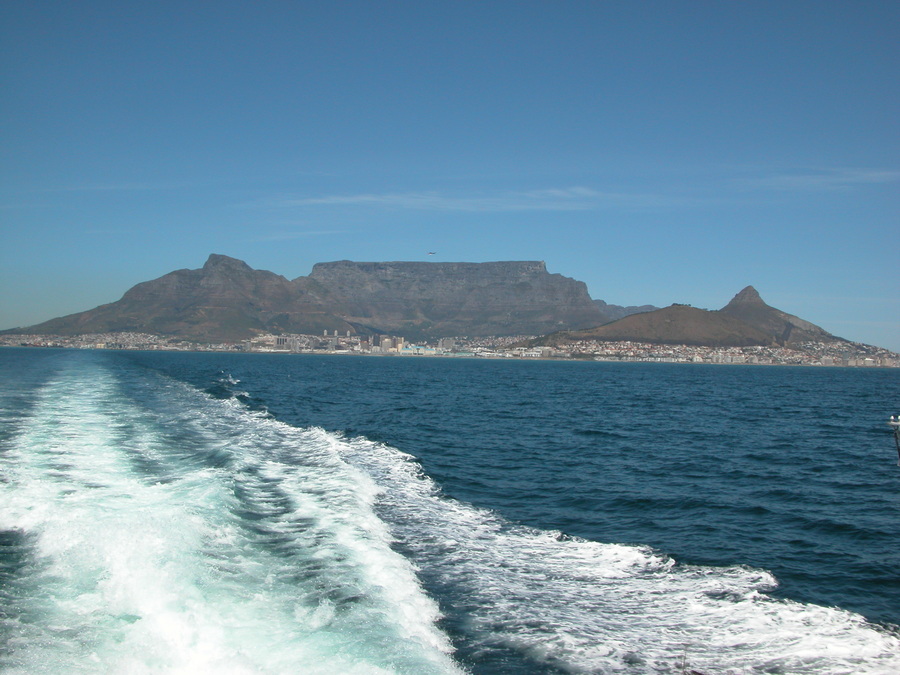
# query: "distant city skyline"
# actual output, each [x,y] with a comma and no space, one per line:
[661,152]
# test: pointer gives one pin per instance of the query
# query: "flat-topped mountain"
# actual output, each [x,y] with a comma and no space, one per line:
[443,299]
[745,321]
[228,300]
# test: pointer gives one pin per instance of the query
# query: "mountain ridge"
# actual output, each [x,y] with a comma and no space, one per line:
[745,321]
[749,307]
[615,312]
[227,300]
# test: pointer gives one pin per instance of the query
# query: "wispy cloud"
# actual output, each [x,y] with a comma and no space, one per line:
[822,179]
[551,199]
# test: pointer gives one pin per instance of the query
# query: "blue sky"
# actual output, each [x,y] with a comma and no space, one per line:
[658,151]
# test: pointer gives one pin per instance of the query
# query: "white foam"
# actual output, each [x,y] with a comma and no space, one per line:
[587,607]
[159,571]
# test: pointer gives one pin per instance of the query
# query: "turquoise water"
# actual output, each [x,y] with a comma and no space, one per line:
[168,512]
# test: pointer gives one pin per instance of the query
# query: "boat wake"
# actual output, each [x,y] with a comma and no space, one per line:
[587,607]
[148,526]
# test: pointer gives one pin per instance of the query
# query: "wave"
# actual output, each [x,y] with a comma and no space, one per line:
[148,526]
[153,528]
[581,606]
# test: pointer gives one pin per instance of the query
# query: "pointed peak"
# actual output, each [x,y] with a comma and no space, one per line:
[218,262]
[748,296]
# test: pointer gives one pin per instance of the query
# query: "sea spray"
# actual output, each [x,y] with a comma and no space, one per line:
[185,534]
[587,607]
[303,549]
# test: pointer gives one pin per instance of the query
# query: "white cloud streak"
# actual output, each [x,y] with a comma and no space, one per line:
[552,199]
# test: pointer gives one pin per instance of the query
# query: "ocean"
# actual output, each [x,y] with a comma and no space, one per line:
[165,512]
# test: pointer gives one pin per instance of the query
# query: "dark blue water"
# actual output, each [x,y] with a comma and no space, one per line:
[791,469]
[508,487]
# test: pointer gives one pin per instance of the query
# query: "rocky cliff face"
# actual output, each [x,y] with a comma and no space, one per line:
[224,300]
[228,300]
[440,299]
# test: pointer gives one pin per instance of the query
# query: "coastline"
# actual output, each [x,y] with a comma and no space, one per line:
[840,355]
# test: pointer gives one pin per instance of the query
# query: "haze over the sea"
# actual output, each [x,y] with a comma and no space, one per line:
[660,152]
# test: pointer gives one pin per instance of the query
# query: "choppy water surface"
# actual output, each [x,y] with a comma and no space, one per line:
[164,512]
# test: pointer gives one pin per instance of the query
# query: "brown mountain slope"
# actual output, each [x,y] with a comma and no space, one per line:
[678,324]
[745,321]
[785,328]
